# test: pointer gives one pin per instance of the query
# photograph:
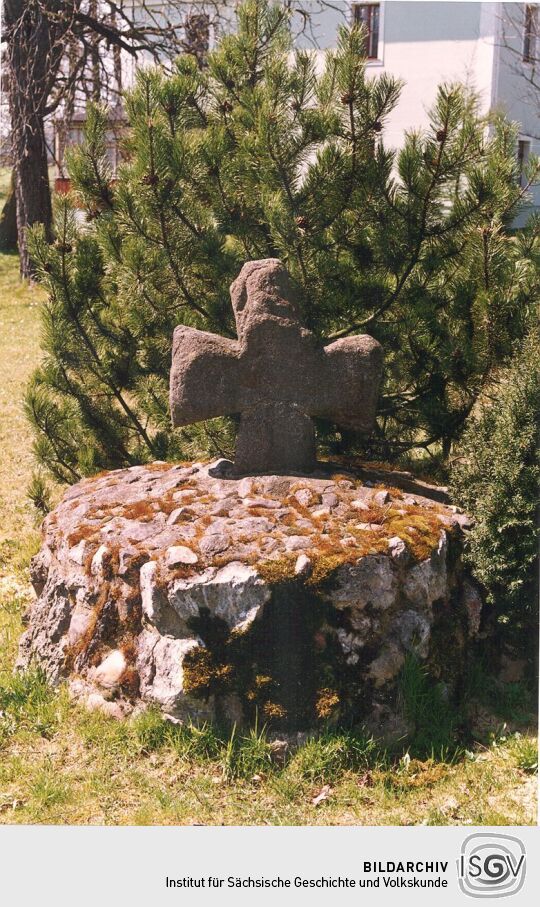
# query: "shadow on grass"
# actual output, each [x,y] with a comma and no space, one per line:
[439,735]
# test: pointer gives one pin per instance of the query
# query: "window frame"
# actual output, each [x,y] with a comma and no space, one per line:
[355,19]
[530,34]
[524,147]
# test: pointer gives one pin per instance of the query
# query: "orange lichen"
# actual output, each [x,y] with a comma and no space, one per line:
[84,532]
[274,710]
[327,702]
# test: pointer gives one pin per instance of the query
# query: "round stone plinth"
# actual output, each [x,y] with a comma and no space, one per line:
[294,599]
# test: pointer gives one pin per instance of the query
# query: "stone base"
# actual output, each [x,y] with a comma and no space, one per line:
[293,600]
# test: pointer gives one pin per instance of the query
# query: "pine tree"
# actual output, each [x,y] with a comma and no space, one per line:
[260,154]
[497,479]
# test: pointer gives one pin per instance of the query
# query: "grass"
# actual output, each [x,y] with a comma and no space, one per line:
[59,764]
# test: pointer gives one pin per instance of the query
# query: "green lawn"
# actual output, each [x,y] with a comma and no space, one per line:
[61,765]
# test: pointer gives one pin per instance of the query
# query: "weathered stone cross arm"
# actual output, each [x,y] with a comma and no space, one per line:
[276,376]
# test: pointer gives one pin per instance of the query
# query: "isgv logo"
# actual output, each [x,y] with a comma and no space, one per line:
[491,866]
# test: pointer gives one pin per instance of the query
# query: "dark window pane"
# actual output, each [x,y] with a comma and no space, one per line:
[367,14]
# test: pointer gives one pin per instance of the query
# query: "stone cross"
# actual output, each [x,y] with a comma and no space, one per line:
[276,376]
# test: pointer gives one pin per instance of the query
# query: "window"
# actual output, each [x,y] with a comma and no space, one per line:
[367,14]
[530,34]
[523,151]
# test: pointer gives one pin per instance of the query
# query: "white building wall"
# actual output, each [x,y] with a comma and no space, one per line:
[435,41]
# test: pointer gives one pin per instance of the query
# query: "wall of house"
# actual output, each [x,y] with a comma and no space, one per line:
[514,94]
[424,44]
[427,43]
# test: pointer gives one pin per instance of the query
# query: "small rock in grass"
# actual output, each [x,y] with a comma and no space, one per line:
[381,498]
[180,554]
[97,703]
[303,565]
[279,750]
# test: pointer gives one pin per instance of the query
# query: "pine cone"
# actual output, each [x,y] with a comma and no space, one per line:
[347,99]
[149,180]
[377,126]
[441,135]
[226,106]
[302,222]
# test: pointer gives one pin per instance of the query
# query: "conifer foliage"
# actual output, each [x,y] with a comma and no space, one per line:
[497,479]
[263,153]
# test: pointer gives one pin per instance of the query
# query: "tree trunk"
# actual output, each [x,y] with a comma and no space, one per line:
[8,220]
[35,38]
[32,188]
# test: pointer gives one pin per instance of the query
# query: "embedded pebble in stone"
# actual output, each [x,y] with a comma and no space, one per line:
[253,526]
[213,543]
[79,552]
[100,560]
[224,507]
[130,558]
[267,503]
[275,485]
[109,672]
[473,605]
[185,494]
[303,496]
[303,566]
[359,505]
[294,542]
[179,554]
[463,520]
[321,512]
[398,549]
[387,665]
[178,514]
[330,499]
[220,469]
[303,523]
[244,487]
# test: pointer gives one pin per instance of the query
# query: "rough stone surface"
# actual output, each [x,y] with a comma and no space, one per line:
[232,607]
[276,375]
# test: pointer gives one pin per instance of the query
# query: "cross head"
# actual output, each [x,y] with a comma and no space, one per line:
[277,376]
